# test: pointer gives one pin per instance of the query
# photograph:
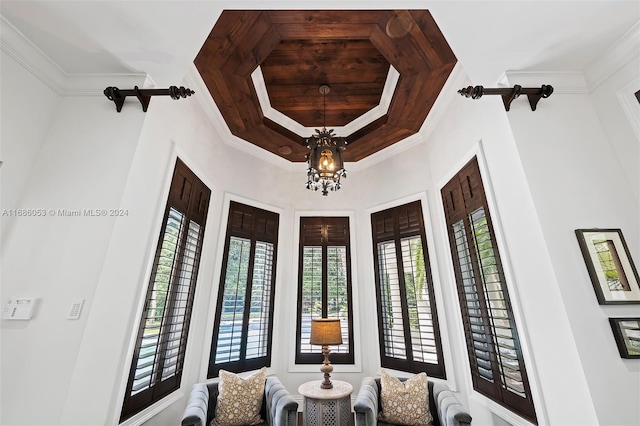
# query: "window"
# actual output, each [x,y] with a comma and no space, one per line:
[243,326]
[407,319]
[493,346]
[158,357]
[324,285]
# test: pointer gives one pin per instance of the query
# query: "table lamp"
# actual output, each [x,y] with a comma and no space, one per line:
[325,332]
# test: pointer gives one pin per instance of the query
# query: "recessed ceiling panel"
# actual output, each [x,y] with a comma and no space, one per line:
[351,51]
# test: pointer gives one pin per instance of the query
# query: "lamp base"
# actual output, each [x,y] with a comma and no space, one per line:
[326,368]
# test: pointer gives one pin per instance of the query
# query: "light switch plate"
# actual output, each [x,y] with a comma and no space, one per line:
[76,308]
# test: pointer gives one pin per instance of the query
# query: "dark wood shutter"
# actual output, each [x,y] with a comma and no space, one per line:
[493,345]
[156,369]
[324,285]
[408,329]
[243,327]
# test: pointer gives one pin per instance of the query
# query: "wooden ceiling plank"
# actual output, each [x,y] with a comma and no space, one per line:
[294,137]
[315,31]
[407,108]
[400,53]
[246,101]
[311,78]
[324,16]
[328,47]
[254,55]
[302,46]
[231,27]
[223,94]
[430,39]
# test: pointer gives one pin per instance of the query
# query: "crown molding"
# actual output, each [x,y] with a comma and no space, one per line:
[34,60]
[368,117]
[195,81]
[457,79]
[616,56]
[563,82]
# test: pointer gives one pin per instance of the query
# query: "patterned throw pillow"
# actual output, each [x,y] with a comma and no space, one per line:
[239,400]
[405,403]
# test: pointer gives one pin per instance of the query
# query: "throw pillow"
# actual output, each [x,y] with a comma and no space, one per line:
[405,403]
[239,400]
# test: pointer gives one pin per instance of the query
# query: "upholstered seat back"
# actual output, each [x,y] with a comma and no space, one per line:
[278,407]
[432,403]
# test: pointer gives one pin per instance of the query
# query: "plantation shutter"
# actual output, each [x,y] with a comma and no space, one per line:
[493,346]
[244,315]
[158,358]
[407,320]
[324,285]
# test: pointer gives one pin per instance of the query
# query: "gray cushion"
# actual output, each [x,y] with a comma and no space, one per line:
[445,408]
[278,406]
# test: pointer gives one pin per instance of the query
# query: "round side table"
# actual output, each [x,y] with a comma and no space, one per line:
[326,407]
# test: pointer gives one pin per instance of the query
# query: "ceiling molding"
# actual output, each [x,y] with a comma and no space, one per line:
[34,60]
[194,80]
[304,132]
[243,39]
[629,103]
[457,79]
[620,53]
[563,82]
[616,56]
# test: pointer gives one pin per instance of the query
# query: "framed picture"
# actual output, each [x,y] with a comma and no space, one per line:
[627,334]
[613,274]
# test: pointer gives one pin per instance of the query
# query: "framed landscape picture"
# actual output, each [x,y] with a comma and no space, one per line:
[611,269]
[627,334]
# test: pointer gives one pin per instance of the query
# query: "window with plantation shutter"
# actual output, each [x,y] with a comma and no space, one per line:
[244,315]
[493,346]
[407,320]
[158,357]
[324,286]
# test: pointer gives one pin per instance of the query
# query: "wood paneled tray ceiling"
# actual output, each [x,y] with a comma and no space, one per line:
[349,50]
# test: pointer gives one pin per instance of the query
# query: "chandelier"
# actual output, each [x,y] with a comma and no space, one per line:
[325,156]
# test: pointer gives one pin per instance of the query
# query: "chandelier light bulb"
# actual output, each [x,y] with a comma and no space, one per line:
[324,160]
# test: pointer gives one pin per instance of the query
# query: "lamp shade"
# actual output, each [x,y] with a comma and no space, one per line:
[325,331]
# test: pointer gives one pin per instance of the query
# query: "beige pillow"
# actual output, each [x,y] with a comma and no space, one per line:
[405,403]
[239,400]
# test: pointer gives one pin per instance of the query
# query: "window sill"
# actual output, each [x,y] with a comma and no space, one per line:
[149,412]
[500,411]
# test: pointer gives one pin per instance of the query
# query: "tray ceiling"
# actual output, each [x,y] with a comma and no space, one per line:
[356,52]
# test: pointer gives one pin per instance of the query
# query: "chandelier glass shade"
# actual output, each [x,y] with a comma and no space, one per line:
[324,160]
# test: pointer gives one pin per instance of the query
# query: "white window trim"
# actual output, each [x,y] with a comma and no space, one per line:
[290,346]
[435,277]
[222,235]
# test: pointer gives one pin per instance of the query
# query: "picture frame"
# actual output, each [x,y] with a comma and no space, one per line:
[626,331]
[611,269]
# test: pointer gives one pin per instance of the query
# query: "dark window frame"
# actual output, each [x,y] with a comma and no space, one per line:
[380,235]
[238,226]
[188,197]
[324,221]
[463,196]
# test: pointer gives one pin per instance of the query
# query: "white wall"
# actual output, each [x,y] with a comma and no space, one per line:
[27,106]
[89,156]
[584,175]
[481,128]
[75,158]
